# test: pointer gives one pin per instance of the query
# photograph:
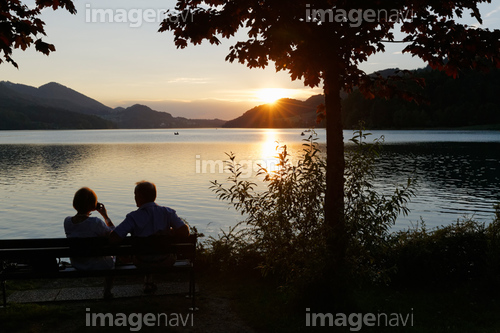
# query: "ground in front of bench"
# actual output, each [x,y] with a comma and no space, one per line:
[91,293]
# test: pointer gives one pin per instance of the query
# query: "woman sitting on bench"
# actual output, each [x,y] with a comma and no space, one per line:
[82,225]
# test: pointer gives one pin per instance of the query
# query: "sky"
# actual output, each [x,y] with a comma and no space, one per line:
[125,63]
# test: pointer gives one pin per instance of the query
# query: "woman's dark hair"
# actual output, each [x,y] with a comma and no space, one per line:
[84,200]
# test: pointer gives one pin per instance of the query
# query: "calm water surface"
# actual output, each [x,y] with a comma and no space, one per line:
[458,172]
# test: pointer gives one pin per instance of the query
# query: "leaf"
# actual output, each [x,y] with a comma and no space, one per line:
[43,47]
[21,25]
[368,94]
[320,109]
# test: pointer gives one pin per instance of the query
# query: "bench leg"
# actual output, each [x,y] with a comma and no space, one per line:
[192,291]
[4,293]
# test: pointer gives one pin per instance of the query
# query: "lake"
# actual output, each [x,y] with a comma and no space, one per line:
[458,172]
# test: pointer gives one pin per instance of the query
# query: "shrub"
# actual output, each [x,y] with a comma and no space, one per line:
[284,223]
[369,214]
[461,252]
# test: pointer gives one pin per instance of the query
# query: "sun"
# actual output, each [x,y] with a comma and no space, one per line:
[270,95]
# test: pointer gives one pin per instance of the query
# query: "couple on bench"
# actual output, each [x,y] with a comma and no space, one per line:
[149,219]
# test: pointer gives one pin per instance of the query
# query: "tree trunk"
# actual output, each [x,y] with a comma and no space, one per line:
[334,200]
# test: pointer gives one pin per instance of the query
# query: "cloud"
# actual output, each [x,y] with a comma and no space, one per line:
[190,80]
[492,12]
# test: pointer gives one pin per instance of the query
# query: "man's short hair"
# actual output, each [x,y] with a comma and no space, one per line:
[84,200]
[146,190]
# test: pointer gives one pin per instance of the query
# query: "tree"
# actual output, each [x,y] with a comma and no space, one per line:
[325,41]
[20,26]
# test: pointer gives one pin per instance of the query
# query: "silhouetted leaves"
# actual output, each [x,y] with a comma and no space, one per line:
[20,26]
[321,113]
[280,33]
[318,50]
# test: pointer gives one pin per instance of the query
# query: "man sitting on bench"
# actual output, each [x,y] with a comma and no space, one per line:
[150,219]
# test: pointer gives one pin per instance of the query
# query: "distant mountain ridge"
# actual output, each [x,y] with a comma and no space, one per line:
[25,107]
[54,106]
[53,95]
[284,113]
[141,116]
[470,100]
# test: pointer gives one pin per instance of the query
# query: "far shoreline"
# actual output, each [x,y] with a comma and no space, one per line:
[487,127]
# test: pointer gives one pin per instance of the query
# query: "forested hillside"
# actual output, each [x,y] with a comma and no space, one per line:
[54,106]
[284,113]
[141,116]
[40,117]
[473,99]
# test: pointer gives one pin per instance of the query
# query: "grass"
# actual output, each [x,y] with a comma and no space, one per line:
[215,311]
[464,308]
[453,310]
[72,316]
[240,303]
[460,309]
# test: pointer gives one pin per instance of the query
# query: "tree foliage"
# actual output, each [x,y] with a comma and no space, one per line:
[21,26]
[304,46]
[330,52]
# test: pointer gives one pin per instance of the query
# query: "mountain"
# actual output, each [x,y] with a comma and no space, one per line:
[54,106]
[33,117]
[48,107]
[141,116]
[284,113]
[469,101]
[51,95]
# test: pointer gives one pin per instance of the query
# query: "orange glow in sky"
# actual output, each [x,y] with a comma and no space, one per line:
[271,95]
[122,64]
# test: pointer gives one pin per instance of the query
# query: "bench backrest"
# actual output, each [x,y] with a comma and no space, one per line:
[12,249]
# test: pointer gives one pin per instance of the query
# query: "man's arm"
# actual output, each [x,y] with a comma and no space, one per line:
[114,238]
[182,231]
[122,230]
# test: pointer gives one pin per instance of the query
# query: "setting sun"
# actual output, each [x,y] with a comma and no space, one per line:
[271,95]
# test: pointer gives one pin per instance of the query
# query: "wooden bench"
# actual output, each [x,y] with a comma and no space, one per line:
[43,258]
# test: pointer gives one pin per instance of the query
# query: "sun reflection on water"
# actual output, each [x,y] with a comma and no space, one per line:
[269,150]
